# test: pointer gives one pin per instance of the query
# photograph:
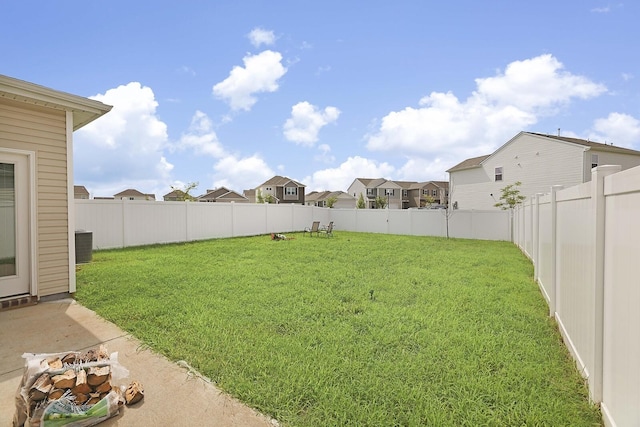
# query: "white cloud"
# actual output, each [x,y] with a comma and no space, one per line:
[261,73]
[603,9]
[535,84]
[420,169]
[340,178]
[201,137]
[306,121]
[618,129]
[241,174]
[259,36]
[124,148]
[500,107]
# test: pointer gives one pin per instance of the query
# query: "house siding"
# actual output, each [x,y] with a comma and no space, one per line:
[626,161]
[43,131]
[535,161]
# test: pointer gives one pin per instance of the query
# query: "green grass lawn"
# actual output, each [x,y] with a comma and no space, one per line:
[359,329]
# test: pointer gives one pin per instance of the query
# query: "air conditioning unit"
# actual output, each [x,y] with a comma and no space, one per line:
[84,246]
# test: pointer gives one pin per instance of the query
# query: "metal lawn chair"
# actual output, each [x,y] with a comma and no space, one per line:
[327,231]
[315,228]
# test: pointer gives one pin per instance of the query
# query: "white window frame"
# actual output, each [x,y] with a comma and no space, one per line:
[498,173]
[291,191]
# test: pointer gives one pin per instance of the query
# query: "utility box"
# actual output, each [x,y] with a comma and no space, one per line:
[84,246]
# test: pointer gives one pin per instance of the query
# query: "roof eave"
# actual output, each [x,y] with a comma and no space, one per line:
[84,110]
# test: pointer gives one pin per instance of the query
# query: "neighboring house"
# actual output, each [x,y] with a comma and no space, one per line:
[414,194]
[37,231]
[536,160]
[320,198]
[378,187]
[80,192]
[282,189]
[132,194]
[250,194]
[175,196]
[223,195]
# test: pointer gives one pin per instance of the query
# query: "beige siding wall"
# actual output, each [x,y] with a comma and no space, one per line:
[625,161]
[27,127]
[535,161]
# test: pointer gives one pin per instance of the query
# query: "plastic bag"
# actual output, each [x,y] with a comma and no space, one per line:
[87,398]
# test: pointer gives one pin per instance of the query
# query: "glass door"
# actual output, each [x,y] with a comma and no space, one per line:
[7,220]
[15,275]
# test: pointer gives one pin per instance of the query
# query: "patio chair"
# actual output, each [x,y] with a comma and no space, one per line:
[327,231]
[315,227]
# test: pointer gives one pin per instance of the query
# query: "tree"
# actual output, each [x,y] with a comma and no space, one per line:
[360,204]
[381,202]
[428,201]
[182,194]
[264,199]
[331,201]
[510,196]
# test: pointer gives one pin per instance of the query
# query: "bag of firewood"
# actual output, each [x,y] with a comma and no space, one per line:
[75,389]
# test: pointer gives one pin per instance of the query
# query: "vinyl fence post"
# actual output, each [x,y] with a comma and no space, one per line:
[597,198]
[536,238]
[554,239]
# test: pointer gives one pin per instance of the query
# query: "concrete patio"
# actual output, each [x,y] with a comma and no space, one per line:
[174,395]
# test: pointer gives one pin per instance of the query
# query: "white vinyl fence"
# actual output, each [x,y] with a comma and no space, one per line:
[584,242]
[123,223]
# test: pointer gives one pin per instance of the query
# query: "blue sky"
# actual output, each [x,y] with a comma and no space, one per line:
[230,93]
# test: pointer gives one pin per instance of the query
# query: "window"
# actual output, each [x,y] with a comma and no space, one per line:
[594,161]
[291,191]
[389,192]
[434,193]
[405,193]
[425,192]
[371,191]
[499,174]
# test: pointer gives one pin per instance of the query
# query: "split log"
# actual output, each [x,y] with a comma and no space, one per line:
[65,380]
[56,394]
[105,387]
[81,398]
[40,389]
[69,359]
[102,353]
[93,398]
[134,393]
[52,364]
[82,387]
[97,375]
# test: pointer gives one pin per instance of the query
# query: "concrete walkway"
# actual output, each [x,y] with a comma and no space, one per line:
[174,396]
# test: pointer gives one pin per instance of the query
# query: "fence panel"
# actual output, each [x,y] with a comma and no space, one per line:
[105,218]
[575,273]
[208,222]
[545,239]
